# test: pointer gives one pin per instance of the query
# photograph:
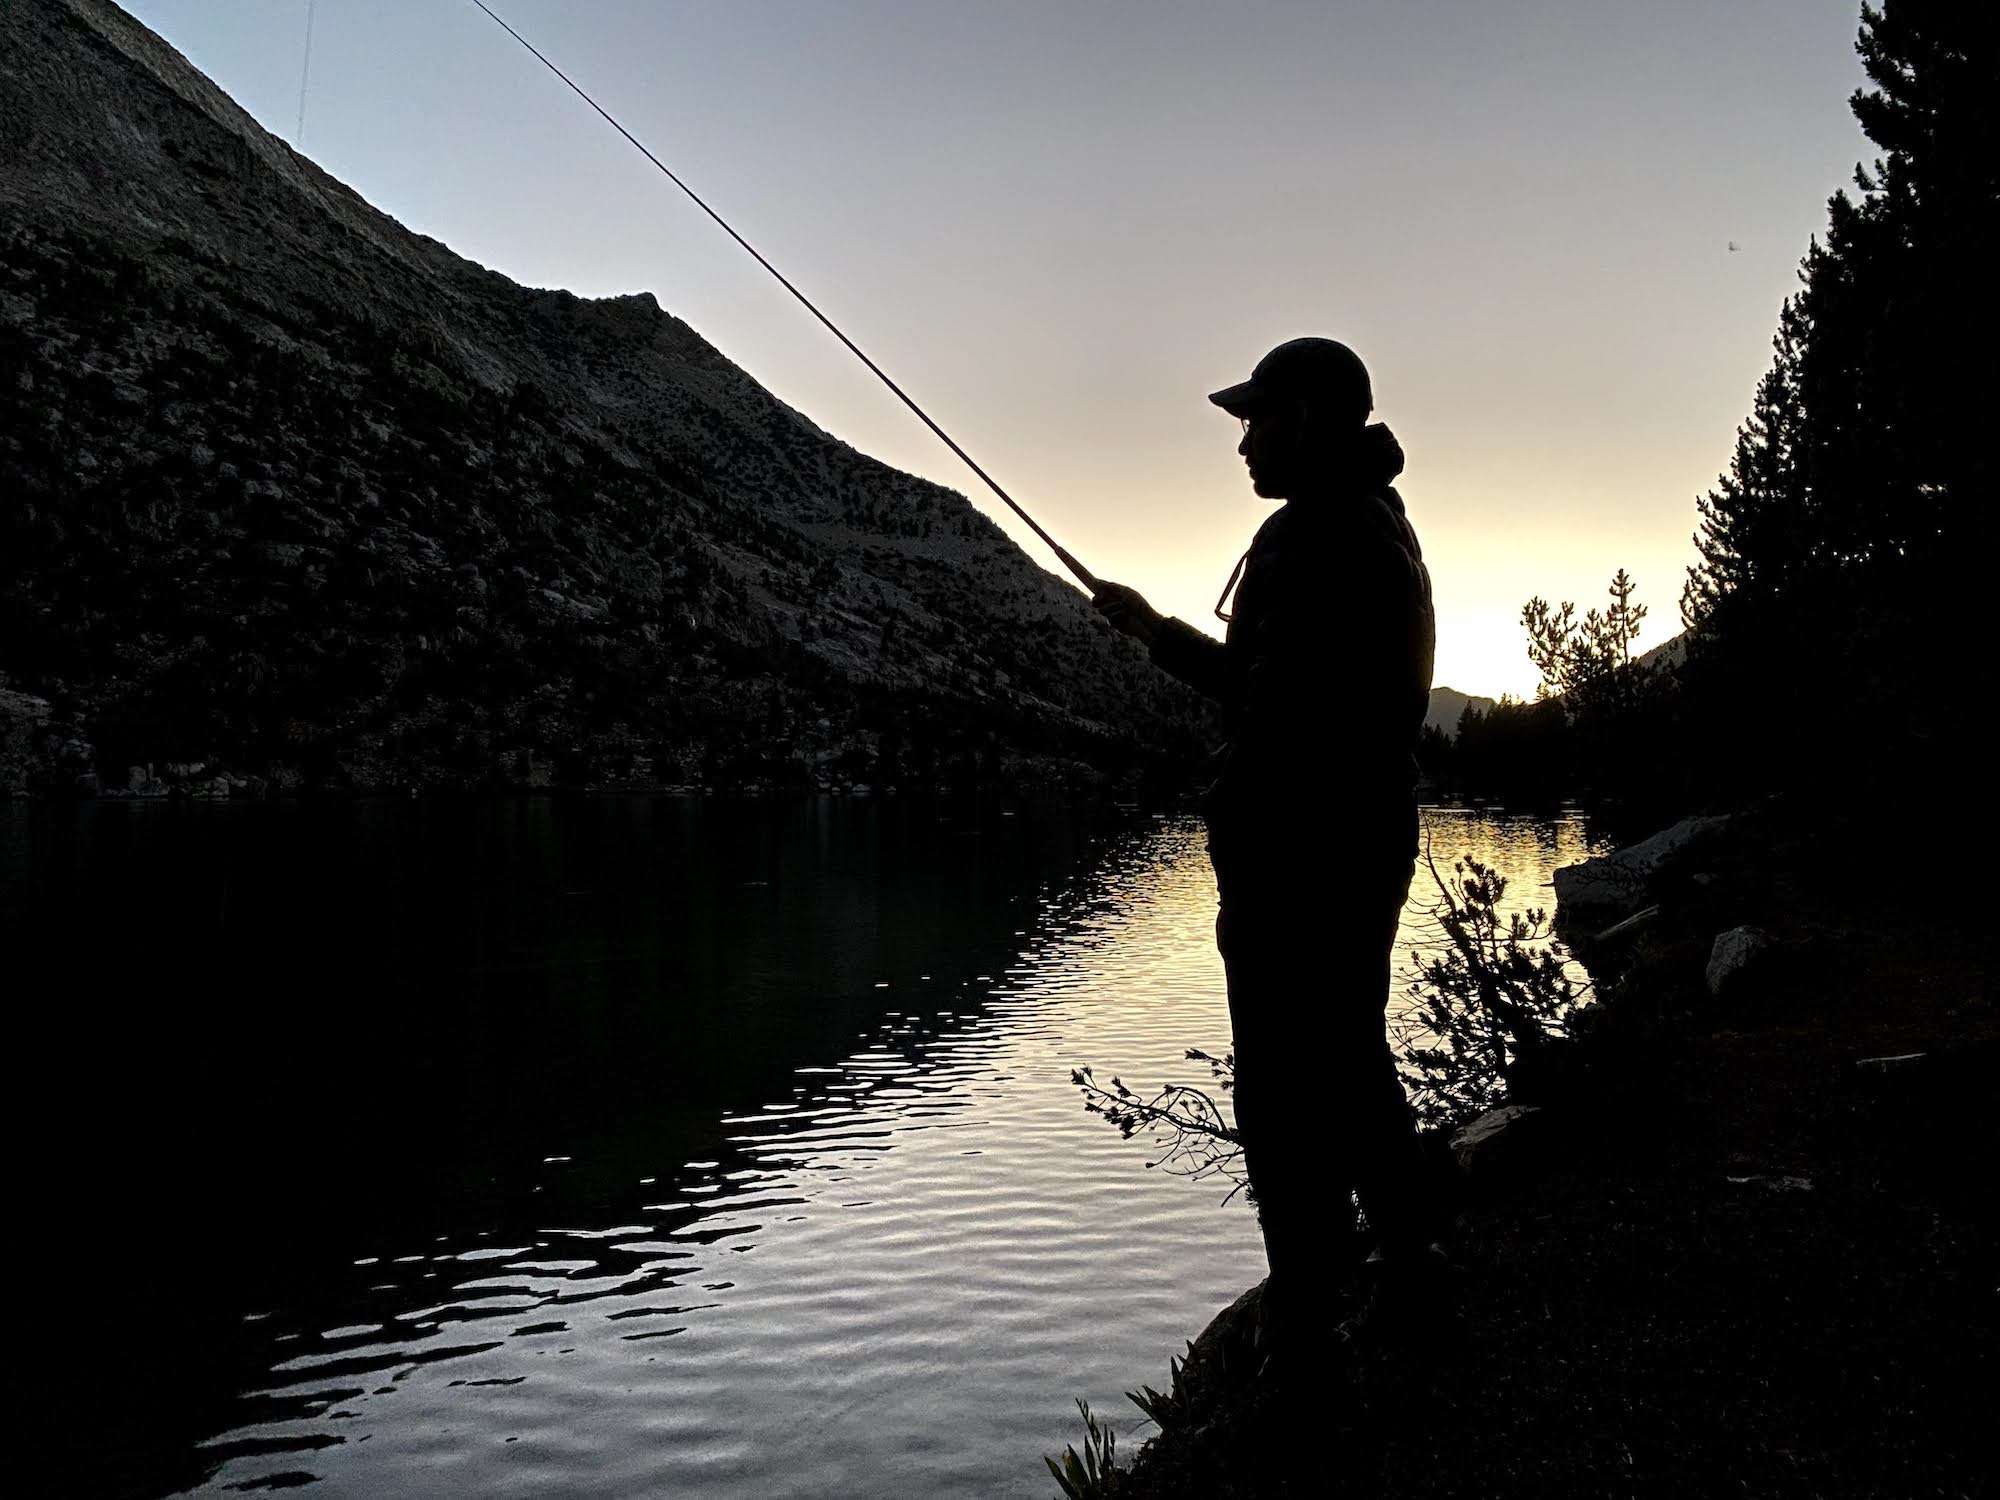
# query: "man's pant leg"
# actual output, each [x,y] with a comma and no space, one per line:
[1318,1097]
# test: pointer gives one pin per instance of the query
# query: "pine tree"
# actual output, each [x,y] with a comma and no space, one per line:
[1623,619]
[1587,663]
[1905,284]
[1836,552]
[1748,538]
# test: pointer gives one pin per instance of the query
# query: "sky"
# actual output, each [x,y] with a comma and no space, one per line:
[1059,223]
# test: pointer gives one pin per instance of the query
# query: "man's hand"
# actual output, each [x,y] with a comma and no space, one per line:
[1127,610]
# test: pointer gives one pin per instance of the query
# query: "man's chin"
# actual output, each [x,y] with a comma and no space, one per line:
[1267,488]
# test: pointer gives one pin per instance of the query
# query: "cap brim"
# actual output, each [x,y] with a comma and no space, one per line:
[1238,400]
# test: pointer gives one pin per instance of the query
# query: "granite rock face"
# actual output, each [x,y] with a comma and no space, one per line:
[292,491]
[1733,953]
[24,724]
[1621,882]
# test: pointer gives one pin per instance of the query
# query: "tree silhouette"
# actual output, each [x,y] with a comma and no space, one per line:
[1614,713]
[1747,538]
[1588,662]
[1836,554]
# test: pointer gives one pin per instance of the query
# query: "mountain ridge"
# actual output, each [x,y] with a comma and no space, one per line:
[1448,705]
[305,495]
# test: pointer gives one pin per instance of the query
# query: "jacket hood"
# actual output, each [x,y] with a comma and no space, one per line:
[1366,464]
[1375,459]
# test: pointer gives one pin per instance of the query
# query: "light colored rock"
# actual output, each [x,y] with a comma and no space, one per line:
[22,709]
[1620,882]
[1478,1145]
[1733,952]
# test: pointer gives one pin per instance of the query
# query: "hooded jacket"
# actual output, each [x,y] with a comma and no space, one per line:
[1324,677]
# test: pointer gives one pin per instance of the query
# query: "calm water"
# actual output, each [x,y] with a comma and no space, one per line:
[614,1148]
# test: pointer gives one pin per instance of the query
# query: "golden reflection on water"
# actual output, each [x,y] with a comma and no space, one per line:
[1526,849]
[889,1276]
[1159,898]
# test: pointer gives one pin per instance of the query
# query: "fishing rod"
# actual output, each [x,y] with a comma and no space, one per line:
[1083,574]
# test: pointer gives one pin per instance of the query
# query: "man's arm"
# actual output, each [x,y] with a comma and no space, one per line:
[1195,658]
[1175,646]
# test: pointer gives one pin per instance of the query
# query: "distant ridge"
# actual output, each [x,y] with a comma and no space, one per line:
[1669,653]
[295,493]
[1448,704]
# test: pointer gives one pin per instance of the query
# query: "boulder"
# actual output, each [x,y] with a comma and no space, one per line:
[1231,1339]
[1733,952]
[1619,883]
[1494,1138]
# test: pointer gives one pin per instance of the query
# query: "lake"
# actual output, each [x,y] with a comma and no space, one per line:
[612,1147]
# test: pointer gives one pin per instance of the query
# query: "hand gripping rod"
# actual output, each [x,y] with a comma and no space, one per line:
[1083,574]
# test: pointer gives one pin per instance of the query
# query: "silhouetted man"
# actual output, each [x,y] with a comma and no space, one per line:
[1323,680]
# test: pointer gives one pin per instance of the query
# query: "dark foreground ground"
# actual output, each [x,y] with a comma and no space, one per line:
[1742,1259]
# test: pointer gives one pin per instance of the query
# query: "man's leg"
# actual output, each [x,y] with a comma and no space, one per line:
[1388,1163]
[1319,1100]
[1285,1150]
[1292,1104]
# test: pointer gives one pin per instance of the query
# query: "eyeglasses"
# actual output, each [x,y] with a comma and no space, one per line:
[1300,412]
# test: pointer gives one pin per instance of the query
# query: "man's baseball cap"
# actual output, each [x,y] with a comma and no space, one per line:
[1323,371]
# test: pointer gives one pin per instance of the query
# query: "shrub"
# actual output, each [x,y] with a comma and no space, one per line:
[1490,1007]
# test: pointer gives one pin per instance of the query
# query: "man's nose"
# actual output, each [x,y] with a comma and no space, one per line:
[1243,447]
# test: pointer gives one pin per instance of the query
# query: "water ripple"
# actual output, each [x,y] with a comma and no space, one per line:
[888,1277]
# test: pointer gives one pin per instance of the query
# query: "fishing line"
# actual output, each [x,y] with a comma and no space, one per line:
[1083,574]
[305,72]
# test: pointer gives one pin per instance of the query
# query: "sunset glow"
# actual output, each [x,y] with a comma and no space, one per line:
[1558,233]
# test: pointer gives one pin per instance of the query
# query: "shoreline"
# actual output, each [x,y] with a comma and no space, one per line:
[1738,1254]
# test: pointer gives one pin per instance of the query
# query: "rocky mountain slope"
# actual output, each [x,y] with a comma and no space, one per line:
[289,491]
